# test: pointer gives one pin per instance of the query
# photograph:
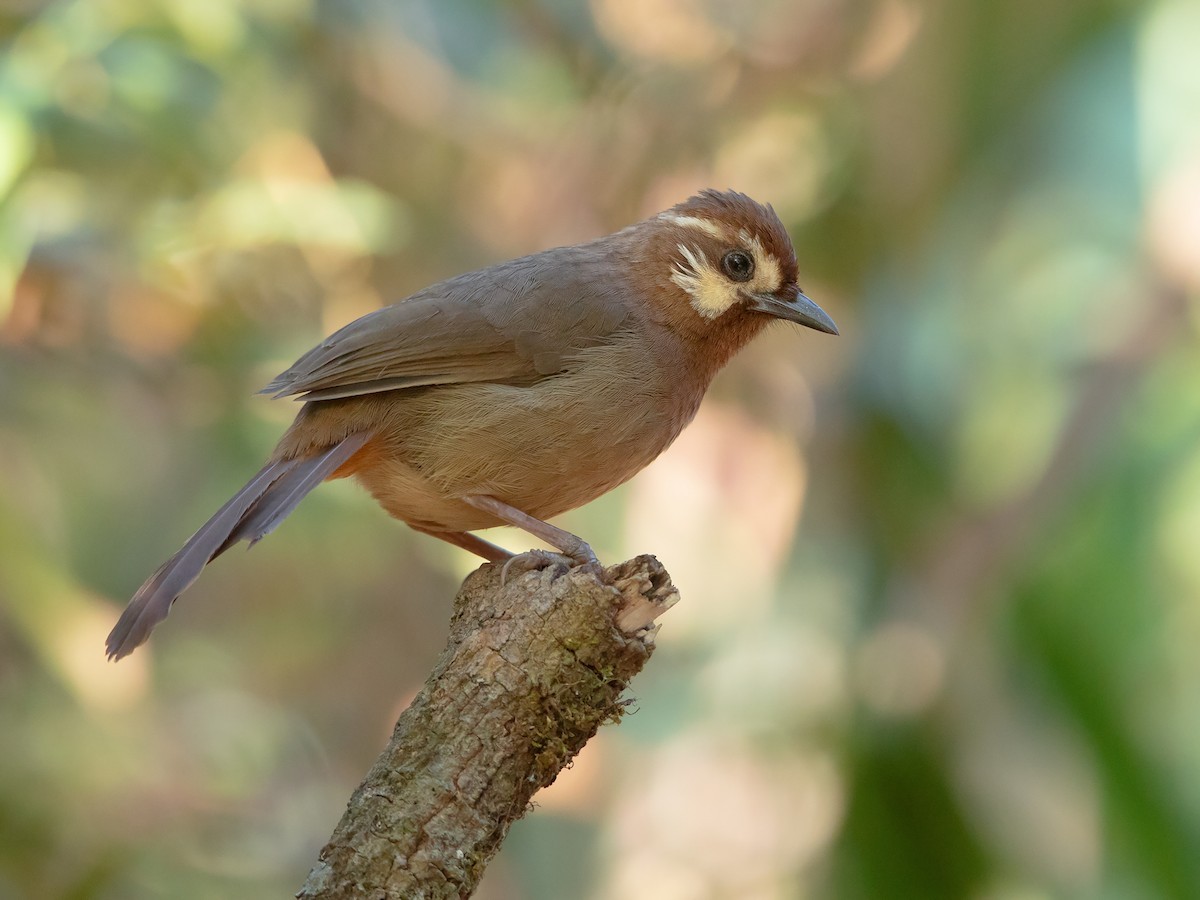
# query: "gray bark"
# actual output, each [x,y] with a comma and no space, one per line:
[533,667]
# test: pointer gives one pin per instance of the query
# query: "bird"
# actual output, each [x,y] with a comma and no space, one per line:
[517,392]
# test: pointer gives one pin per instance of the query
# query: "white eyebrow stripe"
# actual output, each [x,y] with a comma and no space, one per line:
[701,224]
[752,242]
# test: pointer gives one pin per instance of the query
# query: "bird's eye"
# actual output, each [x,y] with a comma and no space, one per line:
[738,265]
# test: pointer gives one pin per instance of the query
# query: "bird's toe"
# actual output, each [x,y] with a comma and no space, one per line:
[536,561]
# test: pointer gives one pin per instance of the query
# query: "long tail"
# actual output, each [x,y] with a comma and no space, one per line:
[252,513]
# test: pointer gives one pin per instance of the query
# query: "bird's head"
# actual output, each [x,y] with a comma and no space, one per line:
[724,263]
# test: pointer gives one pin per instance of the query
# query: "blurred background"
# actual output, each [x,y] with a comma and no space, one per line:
[940,575]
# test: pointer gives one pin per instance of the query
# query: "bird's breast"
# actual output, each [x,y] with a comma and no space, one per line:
[545,448]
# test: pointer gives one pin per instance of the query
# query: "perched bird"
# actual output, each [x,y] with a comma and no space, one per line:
[515,393]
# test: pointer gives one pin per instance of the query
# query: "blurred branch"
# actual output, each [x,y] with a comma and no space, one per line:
[533,667]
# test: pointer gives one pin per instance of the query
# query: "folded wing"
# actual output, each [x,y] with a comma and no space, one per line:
[504,324]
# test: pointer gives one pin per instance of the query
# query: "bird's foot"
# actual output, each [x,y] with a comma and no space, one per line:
[535,561]
[539,560]
[575,549]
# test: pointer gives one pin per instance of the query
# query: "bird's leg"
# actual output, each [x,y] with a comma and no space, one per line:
[569,544]
[472,544]
[531,561]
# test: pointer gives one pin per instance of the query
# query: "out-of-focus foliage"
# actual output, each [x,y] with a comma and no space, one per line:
[964,661]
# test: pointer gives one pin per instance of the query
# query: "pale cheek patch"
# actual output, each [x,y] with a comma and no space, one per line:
[711,292]
[767,275]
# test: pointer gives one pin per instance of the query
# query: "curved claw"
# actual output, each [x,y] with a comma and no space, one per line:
[535,561]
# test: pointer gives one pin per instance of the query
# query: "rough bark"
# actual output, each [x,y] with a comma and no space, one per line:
[534,665]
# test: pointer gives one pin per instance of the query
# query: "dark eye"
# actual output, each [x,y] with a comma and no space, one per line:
[739,266]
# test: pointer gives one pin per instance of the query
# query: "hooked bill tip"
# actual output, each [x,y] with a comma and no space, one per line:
[800,309]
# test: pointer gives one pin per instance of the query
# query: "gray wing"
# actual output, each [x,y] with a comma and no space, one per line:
[514,323]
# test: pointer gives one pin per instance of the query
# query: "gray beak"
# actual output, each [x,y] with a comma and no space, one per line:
[800,310]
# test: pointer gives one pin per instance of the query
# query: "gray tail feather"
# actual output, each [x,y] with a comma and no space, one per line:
[252,513]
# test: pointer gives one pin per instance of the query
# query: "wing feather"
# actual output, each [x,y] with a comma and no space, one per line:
[501,324]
